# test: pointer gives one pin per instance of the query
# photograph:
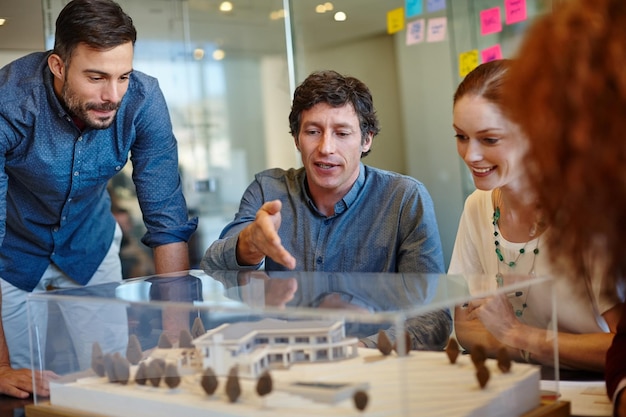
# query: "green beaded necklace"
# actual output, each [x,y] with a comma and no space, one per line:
[513,263]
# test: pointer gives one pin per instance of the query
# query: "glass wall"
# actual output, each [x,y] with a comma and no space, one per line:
[228,75]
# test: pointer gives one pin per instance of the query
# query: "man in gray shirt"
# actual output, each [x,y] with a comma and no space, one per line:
[336,214]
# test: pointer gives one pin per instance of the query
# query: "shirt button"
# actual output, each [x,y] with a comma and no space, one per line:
[76,173]
[69,199]
[55,229]
[117,168]
[80,138]
[63,218]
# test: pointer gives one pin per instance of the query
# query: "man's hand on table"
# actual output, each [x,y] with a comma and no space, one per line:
[18,383]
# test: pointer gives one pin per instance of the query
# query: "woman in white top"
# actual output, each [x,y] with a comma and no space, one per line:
[500,234]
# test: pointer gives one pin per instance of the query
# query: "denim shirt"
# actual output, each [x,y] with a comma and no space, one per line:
[385,223]
[57,208]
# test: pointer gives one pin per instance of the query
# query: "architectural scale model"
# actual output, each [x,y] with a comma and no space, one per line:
[301,381]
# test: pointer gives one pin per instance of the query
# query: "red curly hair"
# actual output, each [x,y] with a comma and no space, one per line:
[567,91]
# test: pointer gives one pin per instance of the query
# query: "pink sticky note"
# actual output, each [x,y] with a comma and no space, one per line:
[415,32]
[515,11]
[490,21]
[491,53]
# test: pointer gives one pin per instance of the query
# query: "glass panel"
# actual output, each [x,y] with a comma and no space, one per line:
[326,336]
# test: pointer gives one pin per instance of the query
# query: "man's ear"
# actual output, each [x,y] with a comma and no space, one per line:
[57,66]
[296,142]
[367,143]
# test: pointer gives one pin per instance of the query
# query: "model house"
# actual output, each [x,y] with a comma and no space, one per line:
[270,343]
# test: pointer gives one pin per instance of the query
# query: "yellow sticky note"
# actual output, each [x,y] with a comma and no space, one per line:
[395,20]
[467,62]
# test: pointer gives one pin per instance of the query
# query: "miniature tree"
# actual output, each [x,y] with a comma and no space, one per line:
[155,371]
[209,381]
[504,360]
[197,329]
[482,374]
[452,350]
[264,384]
[233,389]
[141,376]
[384,344]
[360,399]
[109,369]
[97,359]
[185,338]
[121,367]
[133,350]
[164,342]
[172,378]
[478,355]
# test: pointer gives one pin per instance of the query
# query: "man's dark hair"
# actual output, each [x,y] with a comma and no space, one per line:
[336,90]
[100,24]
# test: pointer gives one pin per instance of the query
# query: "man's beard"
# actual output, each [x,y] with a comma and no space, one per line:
[81,110]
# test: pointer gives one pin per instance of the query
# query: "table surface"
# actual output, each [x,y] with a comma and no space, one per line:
[14,407]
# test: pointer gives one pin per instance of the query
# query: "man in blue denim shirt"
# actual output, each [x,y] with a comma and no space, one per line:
[336,214]
[68,120]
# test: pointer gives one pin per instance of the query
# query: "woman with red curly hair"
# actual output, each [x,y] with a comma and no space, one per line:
[568,94]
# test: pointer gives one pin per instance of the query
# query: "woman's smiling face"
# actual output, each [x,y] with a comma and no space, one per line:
[492,146]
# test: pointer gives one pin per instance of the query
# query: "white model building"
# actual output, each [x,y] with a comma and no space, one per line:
[270,343]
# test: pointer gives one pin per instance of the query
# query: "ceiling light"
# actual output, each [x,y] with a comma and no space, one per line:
[323,8]
[278,14]
[218,54]
[226,6]
[2,21]
[198,54]
[340,17]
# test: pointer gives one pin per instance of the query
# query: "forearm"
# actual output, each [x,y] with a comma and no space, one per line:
[172,257]
[575,351]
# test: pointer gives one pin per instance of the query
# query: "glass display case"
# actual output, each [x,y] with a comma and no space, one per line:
[253,343]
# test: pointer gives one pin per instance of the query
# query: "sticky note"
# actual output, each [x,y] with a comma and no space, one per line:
[467,62]
[395,20]
[490,21]
[492,53]
[413,7]
[435,5]
[515,11]
[415,32]
[436,30]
